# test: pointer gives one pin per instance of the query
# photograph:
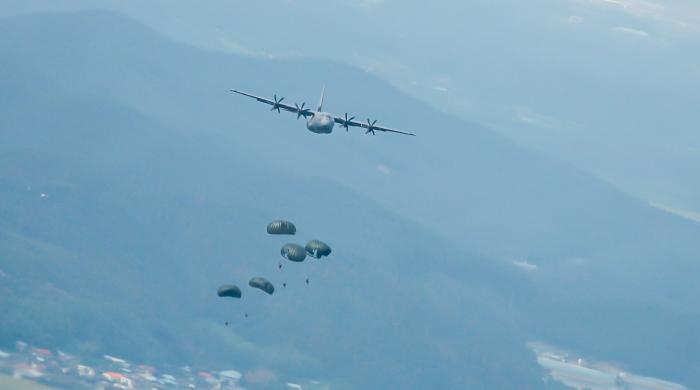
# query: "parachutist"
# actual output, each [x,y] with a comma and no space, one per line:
[229,290]
[281,227]
[317,249]
[262,284]
[293,252]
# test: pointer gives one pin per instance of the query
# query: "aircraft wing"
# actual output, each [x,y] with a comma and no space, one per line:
[369,126]
[277,103]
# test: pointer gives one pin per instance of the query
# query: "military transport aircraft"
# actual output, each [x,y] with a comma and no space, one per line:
[321,122]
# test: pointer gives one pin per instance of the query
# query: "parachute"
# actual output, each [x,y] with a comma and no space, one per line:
[293,252]
[281,227]
[317,249]
[229,290]
[262,284]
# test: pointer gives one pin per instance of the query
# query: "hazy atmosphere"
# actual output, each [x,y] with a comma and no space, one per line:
[540,231]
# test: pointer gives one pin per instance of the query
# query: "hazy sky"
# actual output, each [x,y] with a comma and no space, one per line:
[611,86]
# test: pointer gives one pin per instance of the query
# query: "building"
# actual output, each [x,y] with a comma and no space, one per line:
[232,376]
[85,371]
[115,360]
[118,380]
[31,371]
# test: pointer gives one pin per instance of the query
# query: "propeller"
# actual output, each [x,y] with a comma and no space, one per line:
[276,106]
[370,126]
[301,111]
[346,122]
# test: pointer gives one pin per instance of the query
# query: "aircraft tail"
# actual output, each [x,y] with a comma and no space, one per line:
[320,104]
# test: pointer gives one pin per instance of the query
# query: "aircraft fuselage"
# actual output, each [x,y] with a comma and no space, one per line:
[320,123]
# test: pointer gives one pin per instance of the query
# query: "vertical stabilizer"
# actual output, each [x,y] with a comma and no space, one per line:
[323,94]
